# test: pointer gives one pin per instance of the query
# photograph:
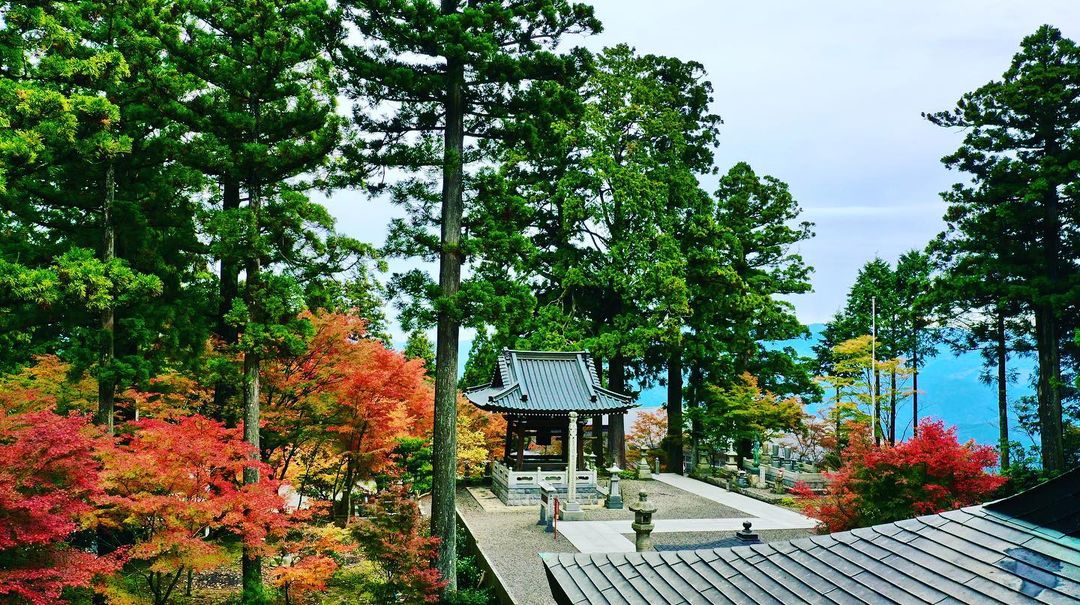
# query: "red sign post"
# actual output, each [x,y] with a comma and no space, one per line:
[555,520]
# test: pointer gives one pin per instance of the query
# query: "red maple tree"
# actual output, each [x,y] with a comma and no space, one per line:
[338,409]
[930,473]
[178,486]
[48,484]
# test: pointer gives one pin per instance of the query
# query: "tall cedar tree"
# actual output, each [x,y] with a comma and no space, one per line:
[744,258]
[148,215]
[262,120]
[63,70]
[1017,217]
[428,78]
[968,297]
[645,136]
[763,227]
[914,276]
[602,210]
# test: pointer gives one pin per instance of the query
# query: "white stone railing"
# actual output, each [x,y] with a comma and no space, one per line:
[511,478]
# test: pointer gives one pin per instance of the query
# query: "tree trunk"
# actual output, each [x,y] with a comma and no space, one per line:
[344,506]
[674,445]
[892,408]
[877,407]
[444,456]
[228,289]
[1003,399]
[838,428]
[106,380]
[616,425]
[695,422]
[1049,388]
[598,421]
[251,568]
[915,386]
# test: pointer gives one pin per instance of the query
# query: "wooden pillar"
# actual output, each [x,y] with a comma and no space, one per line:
[616,428]
[509,440]
[598,440]
[520,447]
[581,448]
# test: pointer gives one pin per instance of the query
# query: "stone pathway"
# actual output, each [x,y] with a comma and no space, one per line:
[607,536]
[750,506]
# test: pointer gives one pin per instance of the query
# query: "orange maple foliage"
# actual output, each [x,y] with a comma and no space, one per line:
[167,397]
[646,434]
[178,486]
[48,486]
[480,437]
[340,407]
[308,558]
[46,384]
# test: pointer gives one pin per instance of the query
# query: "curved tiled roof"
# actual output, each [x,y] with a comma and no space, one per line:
[547,383]
[1024,549]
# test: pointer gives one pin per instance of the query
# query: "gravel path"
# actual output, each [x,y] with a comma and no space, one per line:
[512,542]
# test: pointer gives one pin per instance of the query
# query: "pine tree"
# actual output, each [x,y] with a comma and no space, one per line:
[1014,219]
[913,275]
[419,347]
[263,123]
[435,84]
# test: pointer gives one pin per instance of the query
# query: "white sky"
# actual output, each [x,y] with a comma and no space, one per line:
[826,96]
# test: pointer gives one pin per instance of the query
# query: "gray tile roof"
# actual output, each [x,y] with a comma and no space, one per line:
[547,383]
[973,555]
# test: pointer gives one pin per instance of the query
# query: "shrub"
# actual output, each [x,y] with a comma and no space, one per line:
[930,473]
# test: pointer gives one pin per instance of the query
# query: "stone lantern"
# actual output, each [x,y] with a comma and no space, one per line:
[614,497]
[643,471]
[732,458]
[643,525]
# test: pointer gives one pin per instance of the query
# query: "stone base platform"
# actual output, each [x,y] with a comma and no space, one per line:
[522,488]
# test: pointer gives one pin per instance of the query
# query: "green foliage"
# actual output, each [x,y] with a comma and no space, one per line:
[483,357]
[412,465]
[1008,241]
[419,347]
[744,412]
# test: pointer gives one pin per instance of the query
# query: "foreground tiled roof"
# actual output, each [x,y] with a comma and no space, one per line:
[973,555]
[547,383]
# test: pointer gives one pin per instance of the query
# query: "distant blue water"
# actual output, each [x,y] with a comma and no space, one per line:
[949,389]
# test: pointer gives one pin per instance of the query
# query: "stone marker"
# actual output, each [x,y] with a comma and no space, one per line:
[547,505]
[643,525]
[546,492]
